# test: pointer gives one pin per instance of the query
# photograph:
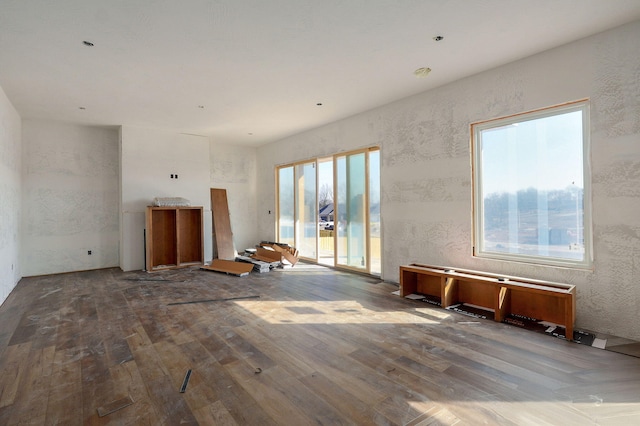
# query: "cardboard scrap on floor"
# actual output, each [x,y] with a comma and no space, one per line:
[267,255]
[263,258]
[230,267]
[288,254]
[282,254]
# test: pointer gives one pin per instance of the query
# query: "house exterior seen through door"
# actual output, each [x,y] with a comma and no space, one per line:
[329,209]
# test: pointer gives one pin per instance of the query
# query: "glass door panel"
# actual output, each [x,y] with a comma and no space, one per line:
[286,203]
[352,210]
[326,244]
[306,210]
[374,213]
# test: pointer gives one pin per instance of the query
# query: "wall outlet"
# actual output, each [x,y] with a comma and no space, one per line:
[89,252]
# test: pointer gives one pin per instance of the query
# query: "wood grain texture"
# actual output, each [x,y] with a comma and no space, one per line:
[323,347]
[222,235]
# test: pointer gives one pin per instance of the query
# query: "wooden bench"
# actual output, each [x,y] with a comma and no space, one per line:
[504,295]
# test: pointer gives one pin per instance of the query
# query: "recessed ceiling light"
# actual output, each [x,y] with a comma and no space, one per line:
[87,43]
[422,72]
[438,38]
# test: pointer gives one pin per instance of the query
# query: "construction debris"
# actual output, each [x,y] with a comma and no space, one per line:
[228,267]
[185,382]
[263,258]
[258,265]
[288,254]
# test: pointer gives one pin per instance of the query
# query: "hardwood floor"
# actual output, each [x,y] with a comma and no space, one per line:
[294,348]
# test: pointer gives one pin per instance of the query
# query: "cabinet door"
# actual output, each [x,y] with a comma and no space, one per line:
[161,238]
[190,242]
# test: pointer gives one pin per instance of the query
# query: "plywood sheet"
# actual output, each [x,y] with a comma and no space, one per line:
[229,267]
[267,255]
[288,254]
[222,235]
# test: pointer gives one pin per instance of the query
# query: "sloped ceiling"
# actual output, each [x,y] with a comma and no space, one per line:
[253,71]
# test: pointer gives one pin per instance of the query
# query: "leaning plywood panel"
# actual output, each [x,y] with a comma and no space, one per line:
[222,235]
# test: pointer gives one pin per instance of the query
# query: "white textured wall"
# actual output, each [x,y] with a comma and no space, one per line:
[10,200]
[148,158]
[70,198]
[426,172]
[234,168]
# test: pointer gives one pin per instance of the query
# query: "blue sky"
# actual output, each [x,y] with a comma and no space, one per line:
[545,153]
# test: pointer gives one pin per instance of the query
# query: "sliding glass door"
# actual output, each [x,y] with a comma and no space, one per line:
[315,209]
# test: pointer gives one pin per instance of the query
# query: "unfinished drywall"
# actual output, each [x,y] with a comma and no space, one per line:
[148,159]
[234,168]
[426,168]
[10,200]
[70,197]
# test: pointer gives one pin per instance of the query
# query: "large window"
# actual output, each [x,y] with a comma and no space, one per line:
[532,186]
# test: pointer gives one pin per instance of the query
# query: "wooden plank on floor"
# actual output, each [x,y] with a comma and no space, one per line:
[31,401]
[215,414]
[169,403]
[239,269]
[128,381]
[14,365]
[349,404]
[64,404]
[290,403]
[115,405]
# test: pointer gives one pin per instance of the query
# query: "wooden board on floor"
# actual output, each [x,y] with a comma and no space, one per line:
[230,267]
[222,235]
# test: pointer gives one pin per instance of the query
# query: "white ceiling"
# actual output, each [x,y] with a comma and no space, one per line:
[259,67]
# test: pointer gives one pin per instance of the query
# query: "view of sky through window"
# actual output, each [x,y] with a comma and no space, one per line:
[544,153]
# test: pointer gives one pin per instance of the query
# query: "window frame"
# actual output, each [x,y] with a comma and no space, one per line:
[477,195]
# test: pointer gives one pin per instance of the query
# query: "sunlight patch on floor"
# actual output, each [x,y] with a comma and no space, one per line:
[329,312]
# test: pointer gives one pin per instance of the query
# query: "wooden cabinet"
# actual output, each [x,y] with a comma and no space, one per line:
[174,237]
[503,296]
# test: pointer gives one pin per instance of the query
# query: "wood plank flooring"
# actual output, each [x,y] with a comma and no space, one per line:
[316,347]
